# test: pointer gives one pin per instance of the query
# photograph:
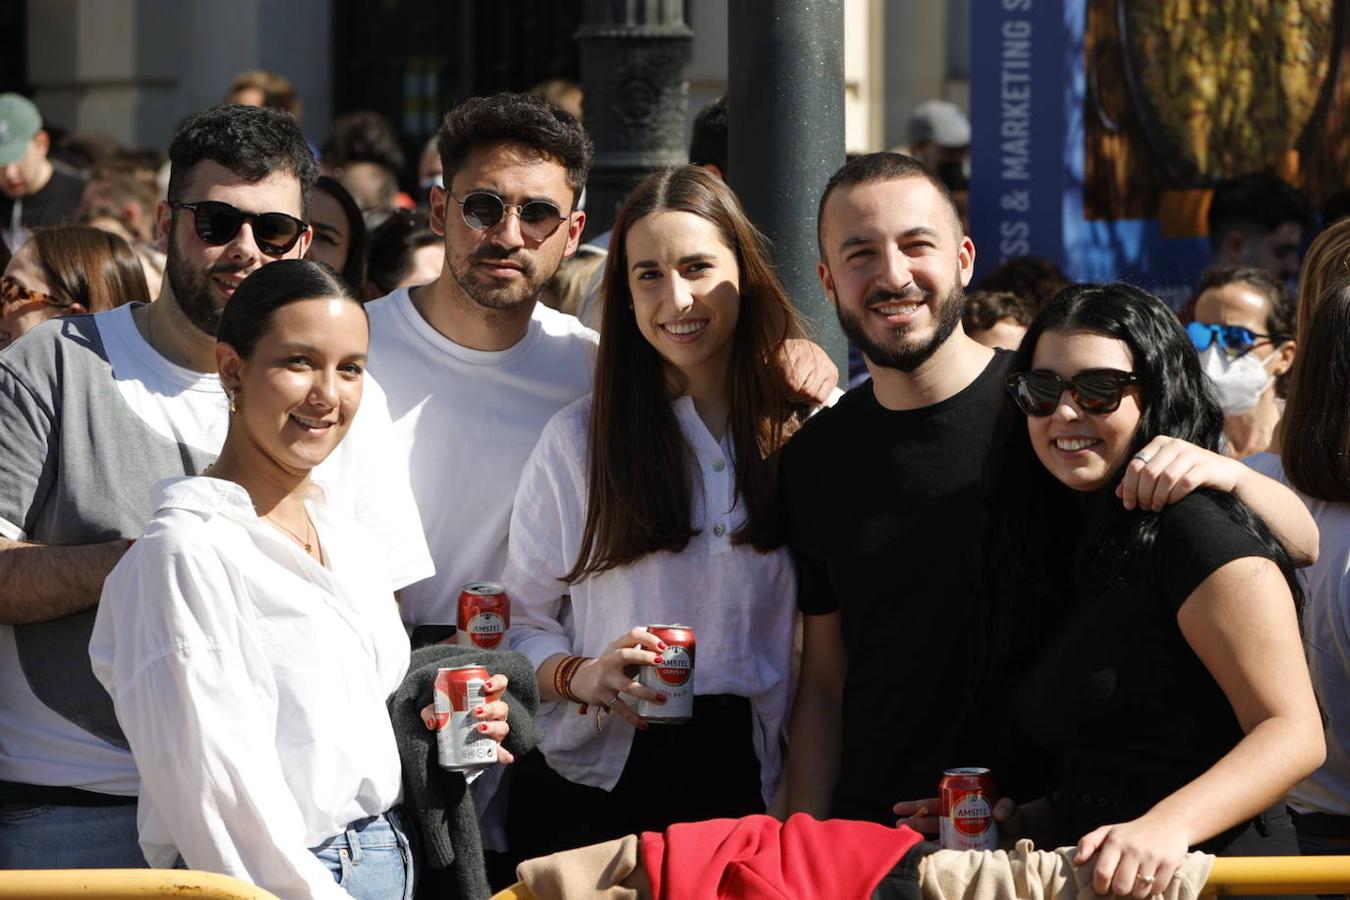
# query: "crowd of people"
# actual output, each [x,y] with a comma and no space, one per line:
[259,427]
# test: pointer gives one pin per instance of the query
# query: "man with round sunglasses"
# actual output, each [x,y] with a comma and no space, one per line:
[94,410]
[1243,330]
[473,365]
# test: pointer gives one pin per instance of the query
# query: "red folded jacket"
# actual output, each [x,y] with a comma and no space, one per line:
[758,857]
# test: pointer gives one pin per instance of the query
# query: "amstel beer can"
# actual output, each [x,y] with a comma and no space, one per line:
[672,675]
[460,746]
[966,814]
[484,615]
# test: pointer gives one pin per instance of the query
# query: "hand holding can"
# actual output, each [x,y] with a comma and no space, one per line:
[966,810]
[603,681]
[462,742]
[671,674]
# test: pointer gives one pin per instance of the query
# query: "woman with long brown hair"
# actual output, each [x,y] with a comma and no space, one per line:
[63,271]
[650,501]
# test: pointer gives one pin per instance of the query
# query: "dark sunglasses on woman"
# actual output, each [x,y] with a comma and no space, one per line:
[217,223]
[483,210]
[1235,340]
[1096,391]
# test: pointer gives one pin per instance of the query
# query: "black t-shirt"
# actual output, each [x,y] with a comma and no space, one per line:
[55,204]
[1119,695]
[886,517]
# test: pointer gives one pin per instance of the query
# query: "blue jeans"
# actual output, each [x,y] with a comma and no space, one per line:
[372,859]
[56,836]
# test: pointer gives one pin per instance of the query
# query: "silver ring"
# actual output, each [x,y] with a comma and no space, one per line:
[1144,879]
[1143,457]
[601,718]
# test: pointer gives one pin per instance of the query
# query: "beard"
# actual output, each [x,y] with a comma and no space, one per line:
[192,290]
[487,292]
[902,354]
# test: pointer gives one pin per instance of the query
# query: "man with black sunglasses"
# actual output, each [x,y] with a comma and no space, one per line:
[93,411]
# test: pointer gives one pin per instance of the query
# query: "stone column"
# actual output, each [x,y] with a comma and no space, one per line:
[786,110]
[633,59]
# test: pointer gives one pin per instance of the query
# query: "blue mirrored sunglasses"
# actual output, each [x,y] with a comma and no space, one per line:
[1235,340]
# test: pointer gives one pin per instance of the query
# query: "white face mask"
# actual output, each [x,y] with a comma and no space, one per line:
[1239,382]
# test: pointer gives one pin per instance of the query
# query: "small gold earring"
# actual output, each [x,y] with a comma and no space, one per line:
[231,395]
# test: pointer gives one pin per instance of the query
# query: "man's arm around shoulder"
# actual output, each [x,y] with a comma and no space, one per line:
[41,582]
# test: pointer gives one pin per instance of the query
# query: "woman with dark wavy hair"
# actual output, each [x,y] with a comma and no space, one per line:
[1156,691]
[650,501]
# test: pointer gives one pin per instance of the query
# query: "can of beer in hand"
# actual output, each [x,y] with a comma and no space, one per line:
[966,813]
[672,675]
[484,615]
[460,746]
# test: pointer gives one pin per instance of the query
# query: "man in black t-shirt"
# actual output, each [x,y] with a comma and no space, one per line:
[884,507]
[33,192]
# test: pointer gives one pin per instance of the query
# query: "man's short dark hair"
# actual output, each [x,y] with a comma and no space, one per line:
[1281,301]
[1033,278]
[881,166]
[1259,202]
[708,145]
[253,142]
[985,309]
[520,119]
[364,135]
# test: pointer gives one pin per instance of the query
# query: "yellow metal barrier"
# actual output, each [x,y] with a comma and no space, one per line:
[1279,875]
[124,884]
[1230,875]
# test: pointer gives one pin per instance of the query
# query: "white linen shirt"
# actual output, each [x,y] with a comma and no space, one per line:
[740,602]
[251,684]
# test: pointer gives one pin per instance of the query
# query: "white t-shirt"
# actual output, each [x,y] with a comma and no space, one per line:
[740,602]
[251,684]
[465,422]
[91,418]
[1326,636]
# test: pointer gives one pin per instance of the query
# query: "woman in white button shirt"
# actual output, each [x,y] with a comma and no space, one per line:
[249,641]
[648,502]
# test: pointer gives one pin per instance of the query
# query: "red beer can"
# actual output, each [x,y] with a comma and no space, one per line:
[484,615]
[460,746]
[672,675]
[966,814]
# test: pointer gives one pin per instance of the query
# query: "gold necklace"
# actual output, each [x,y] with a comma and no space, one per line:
[303,541]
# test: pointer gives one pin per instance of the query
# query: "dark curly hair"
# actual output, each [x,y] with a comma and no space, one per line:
[1175,400]
[521,119]
[250,141]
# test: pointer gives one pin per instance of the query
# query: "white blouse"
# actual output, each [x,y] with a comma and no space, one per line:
[740,602]
[251,684]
